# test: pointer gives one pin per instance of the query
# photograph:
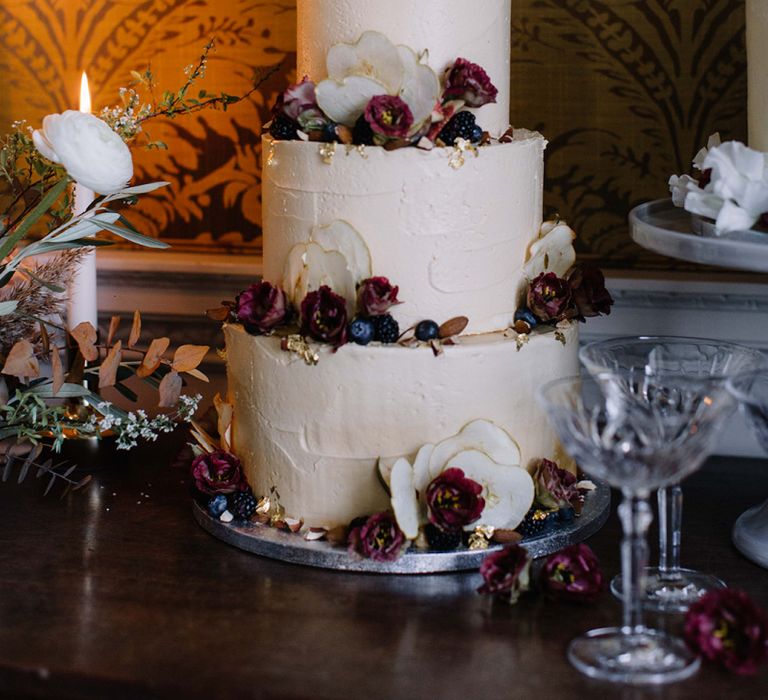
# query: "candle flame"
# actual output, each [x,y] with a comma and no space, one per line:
[85,94]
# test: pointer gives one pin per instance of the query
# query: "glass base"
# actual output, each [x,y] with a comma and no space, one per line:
[675,596]
[645,657]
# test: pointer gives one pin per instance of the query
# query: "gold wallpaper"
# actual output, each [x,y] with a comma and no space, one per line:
[625,90]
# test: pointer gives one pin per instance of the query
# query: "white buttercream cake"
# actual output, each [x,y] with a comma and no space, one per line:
[452,227]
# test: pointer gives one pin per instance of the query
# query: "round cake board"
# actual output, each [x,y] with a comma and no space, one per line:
[293,548]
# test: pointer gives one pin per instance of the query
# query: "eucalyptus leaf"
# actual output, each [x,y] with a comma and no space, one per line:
[137,189]
[8,307]
[86,227]
[134,237]
[50,484]
[9,241]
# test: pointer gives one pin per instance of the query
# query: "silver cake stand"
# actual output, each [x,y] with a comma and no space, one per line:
[292,547]
[662,227]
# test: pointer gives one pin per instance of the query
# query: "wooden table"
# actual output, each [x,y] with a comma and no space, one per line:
[116,593]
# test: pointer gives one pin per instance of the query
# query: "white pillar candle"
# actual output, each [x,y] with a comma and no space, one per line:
[81,301]
[757,72]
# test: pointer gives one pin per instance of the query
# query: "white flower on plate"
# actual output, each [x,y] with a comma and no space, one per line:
[93,155]
[736,195]
[552,251]
[486,454]
[375,66]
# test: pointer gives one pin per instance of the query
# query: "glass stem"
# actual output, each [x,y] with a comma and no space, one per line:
[670,525]
[636,517]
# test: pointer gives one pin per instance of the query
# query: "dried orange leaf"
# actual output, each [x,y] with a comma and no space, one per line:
[197,374]
[170,388]
[57,370]
[114,323]
[45,339]
[153,357]
[220,314]
[85,337]
[224,411]
[188,357]
[453,327]
[108,368]
[133,338]
[21,361]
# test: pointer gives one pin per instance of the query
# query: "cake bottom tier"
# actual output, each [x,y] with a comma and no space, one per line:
[313,435]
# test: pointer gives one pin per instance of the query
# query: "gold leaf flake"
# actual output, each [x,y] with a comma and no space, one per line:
[559,335]
[480,538]
[298,345]
[460,147]
[327,151]
[521,339]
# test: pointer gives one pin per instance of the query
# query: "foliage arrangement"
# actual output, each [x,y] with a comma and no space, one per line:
[47,371]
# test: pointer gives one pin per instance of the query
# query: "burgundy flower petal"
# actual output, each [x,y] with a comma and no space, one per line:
[217,472]
[550,298]
[454,500]
[505,572]
[590,296]
[261,307]
[324,316]
[378,538]
[727,628]
[469,82]
[376,295]
[573,574]
[389,116]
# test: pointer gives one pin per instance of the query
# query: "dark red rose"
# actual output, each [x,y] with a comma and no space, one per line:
[324,316]
[261,307]
[555,487]
[378,538]
[727,628]
[469,82]
[506,572]
[550,297]
[588,291]
[217,472]
[375,295]
[454,500]
[573,574]
[299,104]
[389,116]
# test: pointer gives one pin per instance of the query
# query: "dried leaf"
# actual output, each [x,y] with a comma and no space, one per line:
[345,134]
[188,357]
[45,339]
[170,388]
[133,338]
[57,370]
[220,314]
[114,323]
[197,374]
[31,457]
[21,361]
[85,480]
[84,335]
[224,411]
[153,357]
[453,327]
[108,368]
[76,369]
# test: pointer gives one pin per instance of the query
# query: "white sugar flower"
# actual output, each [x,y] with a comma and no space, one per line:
[93,155]
[371,67]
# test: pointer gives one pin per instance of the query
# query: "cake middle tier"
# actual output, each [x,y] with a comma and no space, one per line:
[453,238]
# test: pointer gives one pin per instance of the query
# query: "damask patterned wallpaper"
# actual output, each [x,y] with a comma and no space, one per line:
[625,90]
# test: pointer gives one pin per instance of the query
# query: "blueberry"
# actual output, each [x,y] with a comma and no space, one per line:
[566,514]
[524,314]
[427,330]
[329,132]
[361,330]
[477,134]
[217,505]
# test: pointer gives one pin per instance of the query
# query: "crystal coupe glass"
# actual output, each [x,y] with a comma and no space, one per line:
[750,533]
[633,447]
[707,363]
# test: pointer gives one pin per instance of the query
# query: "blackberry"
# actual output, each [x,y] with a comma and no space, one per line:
[460,125]
[283,129]
[386,329]
[536,522]
[243,504]
[361,330]
[566,514]
[362,134]
[426,330]
[441,540]
[329,132]
[524,314]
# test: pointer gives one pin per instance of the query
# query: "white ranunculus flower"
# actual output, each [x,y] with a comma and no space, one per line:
[93,155]
[740,180]
[371,67]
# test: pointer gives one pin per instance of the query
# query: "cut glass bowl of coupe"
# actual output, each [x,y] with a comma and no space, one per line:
[750,533]
[650,369]
[629,444]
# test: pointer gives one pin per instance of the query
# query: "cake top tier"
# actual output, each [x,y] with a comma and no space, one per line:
[448,29]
